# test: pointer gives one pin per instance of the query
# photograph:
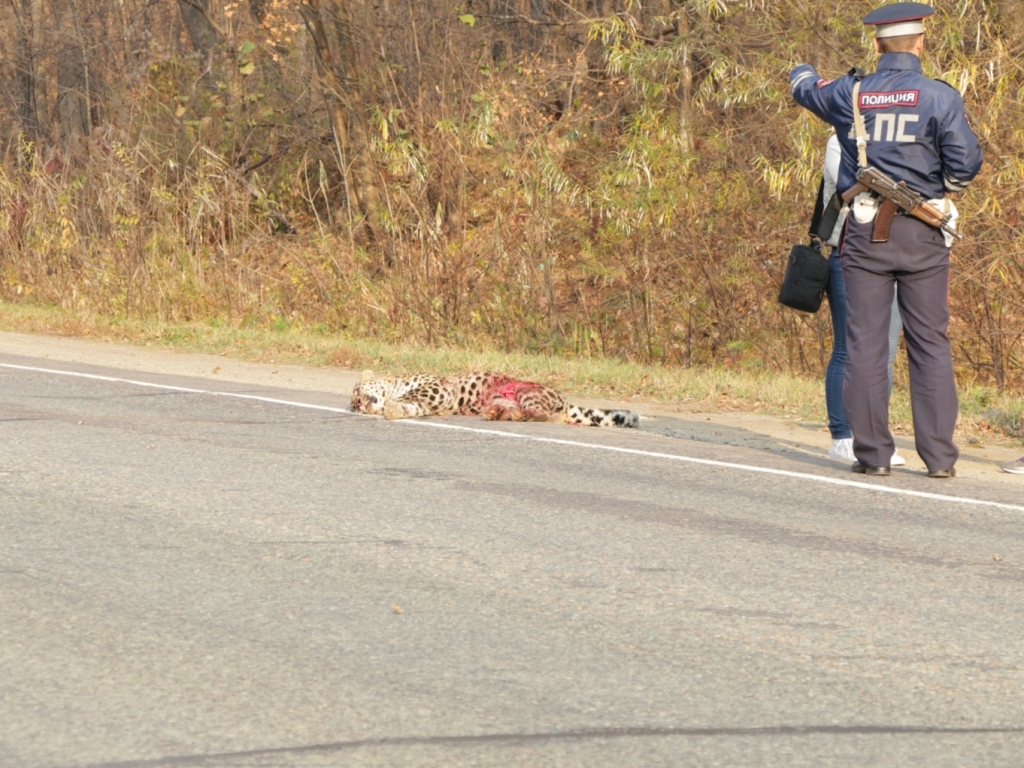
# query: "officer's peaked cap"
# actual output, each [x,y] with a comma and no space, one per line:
[898,19]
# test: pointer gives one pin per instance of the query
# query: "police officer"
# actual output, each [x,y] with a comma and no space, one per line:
[916,132]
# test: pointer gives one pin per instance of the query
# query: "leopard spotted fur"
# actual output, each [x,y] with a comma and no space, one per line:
[493,395]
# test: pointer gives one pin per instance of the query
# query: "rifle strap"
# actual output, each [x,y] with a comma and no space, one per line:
[858,126]
[883,220]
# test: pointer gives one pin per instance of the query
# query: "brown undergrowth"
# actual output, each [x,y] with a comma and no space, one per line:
[622,188]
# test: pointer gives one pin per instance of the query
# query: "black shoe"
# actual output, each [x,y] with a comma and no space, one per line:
[864,469]
[951,472]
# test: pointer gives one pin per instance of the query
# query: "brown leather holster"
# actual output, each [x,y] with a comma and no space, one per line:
[883,220]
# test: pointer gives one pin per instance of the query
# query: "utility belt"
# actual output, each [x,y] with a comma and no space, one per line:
[866,205]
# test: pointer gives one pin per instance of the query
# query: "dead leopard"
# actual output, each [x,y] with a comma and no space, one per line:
[493,395]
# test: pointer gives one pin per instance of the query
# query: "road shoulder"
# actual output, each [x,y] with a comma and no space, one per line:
[732,428]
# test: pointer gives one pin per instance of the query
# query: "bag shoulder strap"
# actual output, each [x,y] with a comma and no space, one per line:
[819,211]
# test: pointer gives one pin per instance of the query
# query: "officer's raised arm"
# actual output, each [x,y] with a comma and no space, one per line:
[814,93]
[961,153]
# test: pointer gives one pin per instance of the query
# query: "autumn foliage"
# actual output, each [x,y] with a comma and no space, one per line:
[586,177]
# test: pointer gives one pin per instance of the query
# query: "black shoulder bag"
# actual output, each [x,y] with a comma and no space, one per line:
[807,270]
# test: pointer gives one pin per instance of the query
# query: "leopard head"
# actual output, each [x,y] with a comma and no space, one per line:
[368,394]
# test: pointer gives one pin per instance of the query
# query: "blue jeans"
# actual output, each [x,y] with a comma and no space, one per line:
[836,371]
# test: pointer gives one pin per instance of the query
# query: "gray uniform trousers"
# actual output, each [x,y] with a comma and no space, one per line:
[916,259]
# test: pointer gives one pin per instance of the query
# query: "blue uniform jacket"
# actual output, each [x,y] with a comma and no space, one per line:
[916,127]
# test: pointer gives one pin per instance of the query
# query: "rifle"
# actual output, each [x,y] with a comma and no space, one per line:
[898,194]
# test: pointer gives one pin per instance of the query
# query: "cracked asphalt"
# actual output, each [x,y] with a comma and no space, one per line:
[197,579]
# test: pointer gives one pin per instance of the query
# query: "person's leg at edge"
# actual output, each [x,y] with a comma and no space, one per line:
[838,426]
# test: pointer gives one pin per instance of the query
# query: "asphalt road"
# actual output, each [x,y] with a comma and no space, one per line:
[198,579]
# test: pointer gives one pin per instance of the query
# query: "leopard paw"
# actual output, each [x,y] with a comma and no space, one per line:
[394,411]
[530,414]
[498,412]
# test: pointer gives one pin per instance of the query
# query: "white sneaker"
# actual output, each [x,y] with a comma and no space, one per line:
[842,450]
[1014,467]
[896,460]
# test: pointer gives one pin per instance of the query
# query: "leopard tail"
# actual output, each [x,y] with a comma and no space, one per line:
[599,417]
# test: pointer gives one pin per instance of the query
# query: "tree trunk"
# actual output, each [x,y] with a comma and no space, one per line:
[540,12]
[353,147]
[74,96]
[345,44]
[272,66]
[29,35]
[685,92]
[201,30]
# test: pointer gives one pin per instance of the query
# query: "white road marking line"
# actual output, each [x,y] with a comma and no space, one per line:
[730,465]
[553,440]
[187,390]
